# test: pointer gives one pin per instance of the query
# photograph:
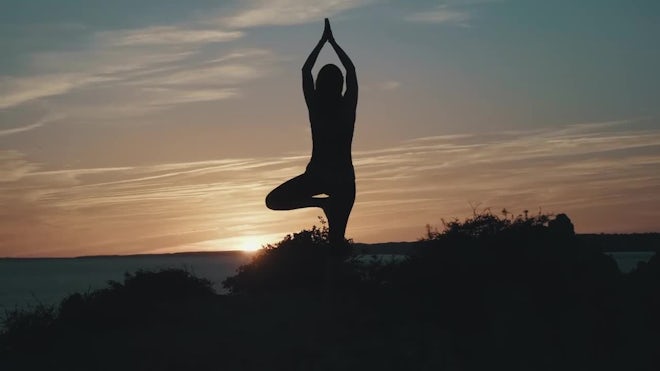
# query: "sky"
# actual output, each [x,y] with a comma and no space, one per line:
[158,126]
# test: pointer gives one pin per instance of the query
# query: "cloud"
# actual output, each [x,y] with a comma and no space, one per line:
[113,57]
[167,35]
[244,53]
[116,55]
[389,85]
[108,60]
[450,12]
[133,209]
[212,78]
[140,55]
[167,97]
[16,91]
[14,166]
[96,66]
[441,14]
[123,82]
[288,12]
[39,123]
[222,73]
[21,129]
[591,171]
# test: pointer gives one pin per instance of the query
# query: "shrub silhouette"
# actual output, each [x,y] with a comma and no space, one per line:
[303,261]
[28,327]
[644,282]
[143,296]
[511,274]
[488,292]
[485,224]
[542,247]
[101,329]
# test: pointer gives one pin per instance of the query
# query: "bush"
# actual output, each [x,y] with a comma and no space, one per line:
[485,224]
[27,327]
[302,261]
[490,291]
[144,297]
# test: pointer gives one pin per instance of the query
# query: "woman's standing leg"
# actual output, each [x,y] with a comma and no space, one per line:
[337,209]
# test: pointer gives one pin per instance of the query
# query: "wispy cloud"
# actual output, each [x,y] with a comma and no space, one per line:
[16,91]
[389,85]
[576,169]
[441,14]
[224,73]
[590,171]
[287,12]
[113,57]
[451,12]
[179,204]
[13,166]
[243,53]
[168,97]
[80,69]
[35,125]
[132,84]
[167,35]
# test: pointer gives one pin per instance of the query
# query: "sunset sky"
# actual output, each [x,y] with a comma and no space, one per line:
[160,125]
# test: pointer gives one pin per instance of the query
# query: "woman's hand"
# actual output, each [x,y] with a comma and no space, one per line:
[327,32]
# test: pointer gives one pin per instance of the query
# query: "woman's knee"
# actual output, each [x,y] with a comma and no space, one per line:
[274,201]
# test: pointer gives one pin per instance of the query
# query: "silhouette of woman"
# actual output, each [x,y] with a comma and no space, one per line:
[332,118]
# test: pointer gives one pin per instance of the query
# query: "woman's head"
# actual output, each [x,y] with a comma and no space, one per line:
[330,81]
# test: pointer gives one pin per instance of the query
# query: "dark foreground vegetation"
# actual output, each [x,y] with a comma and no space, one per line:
[487,293]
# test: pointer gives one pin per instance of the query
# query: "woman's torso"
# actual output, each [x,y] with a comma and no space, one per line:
[332,136]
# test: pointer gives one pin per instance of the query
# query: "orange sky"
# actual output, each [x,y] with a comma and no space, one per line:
[218,204]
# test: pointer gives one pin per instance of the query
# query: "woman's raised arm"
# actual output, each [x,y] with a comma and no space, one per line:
[351,78]
[308,80]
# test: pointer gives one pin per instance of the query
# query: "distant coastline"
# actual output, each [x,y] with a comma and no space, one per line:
[623,242]
[118,256]
[605,242]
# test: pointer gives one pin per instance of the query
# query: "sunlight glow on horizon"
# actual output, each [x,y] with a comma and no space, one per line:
[245,242]
[253,243]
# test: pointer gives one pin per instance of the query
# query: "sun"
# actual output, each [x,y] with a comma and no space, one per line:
[251,243]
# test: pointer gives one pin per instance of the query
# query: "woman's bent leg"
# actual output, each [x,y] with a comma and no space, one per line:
[295,193]
[299,192]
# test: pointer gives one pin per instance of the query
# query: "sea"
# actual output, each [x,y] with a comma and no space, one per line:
[25,283]
[29,282]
